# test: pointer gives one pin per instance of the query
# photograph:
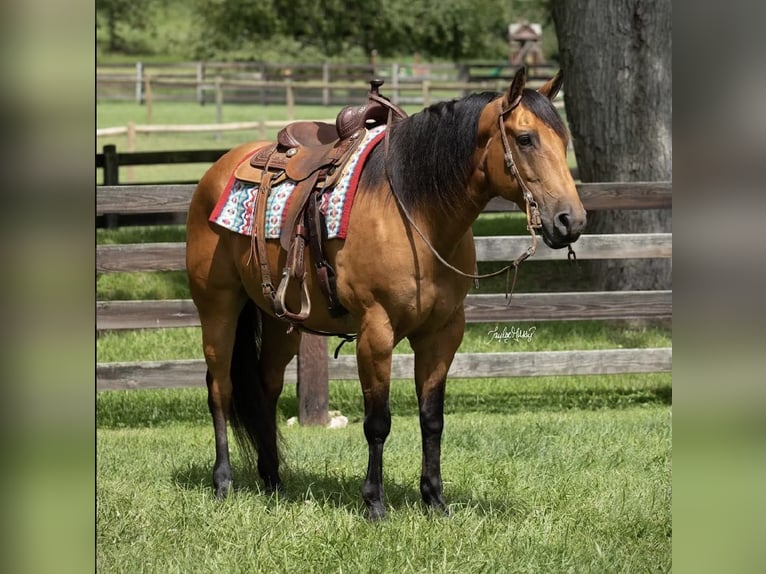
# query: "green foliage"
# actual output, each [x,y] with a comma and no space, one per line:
[117,19]
[315,30]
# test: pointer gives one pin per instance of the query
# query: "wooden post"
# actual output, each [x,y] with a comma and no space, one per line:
[326,82]
[200,82]
[463,76]
[111,177]
[426,86]
[139,83]
[374,63]
[263,87]
[148,99]
[395,82]
[289,96]
[111,167]
[313,386]
[131,147]
[131,136]
[218,104]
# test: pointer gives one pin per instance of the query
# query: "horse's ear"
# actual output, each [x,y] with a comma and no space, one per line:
[513,95]
[552,86]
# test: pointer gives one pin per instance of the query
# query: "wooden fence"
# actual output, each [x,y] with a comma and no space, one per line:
[313,358]
[322,83]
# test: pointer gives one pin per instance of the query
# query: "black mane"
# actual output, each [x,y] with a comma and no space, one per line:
[429,155]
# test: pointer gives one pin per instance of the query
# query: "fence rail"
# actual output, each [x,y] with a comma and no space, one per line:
[323,83]
[143,199]
[190,373]
[171,256]
[119,315]
[120,199]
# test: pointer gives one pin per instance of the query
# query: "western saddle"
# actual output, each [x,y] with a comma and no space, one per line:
[312,155]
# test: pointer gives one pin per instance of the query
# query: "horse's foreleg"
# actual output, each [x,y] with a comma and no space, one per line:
[277,350]
[374,348]
[433,356]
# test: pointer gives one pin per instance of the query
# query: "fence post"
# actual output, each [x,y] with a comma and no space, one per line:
[395,82]
[131,176]
[313,385]
[111,165]
[326,82]
[200,82]
[426,86]
[218,104]
[463,76]
[149,99]
[263,86]
[289,96]
[111,177]
[139,83]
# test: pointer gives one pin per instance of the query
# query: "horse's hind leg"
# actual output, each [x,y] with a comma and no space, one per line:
[277,349]
[218,316]
[433,356]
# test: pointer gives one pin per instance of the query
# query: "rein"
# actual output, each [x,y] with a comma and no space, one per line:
[532,212]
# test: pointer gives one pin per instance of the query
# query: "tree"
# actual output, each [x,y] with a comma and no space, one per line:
[134,13]
[616,59]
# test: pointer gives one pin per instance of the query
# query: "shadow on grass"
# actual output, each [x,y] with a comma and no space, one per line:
[300,487]
[159,408]
[557,400]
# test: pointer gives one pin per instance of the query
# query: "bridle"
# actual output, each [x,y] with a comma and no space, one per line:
[534,220]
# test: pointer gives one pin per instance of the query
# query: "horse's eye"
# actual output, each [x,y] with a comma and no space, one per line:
[524,140]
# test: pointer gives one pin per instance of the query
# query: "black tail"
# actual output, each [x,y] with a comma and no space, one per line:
[253,418]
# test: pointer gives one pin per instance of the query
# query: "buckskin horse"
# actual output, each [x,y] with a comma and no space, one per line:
[402,270]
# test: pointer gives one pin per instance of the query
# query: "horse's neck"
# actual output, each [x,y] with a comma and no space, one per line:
[444,232]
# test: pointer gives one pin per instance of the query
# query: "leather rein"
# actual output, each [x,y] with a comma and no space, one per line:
[532,211]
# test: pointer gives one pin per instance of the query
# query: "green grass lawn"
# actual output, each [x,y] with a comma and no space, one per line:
[542,475]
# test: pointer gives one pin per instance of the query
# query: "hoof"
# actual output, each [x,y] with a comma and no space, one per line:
[272,485]
[273,488]
[222,490]
[376,512]
[440,509]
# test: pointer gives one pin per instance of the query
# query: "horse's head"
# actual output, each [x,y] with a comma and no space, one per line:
[526,156]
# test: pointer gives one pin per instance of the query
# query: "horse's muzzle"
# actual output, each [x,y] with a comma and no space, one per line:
[564,228]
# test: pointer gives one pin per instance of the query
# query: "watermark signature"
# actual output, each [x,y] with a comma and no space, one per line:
[512,333]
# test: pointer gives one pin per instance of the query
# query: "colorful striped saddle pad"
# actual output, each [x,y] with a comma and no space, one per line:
[235,208]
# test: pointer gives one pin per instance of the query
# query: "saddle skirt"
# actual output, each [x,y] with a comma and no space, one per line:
[236,206]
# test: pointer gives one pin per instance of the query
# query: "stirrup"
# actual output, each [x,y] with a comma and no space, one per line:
[280,307]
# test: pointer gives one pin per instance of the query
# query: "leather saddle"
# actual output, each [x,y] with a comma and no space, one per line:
[312,154]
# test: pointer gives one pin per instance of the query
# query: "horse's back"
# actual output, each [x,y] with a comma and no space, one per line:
[213,182]
[208,253]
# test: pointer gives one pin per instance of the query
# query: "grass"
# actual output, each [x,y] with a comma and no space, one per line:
[541,477]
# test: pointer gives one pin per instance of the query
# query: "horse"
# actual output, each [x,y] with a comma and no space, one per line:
[402,271]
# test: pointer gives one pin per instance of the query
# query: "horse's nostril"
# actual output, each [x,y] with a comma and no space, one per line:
[563,222]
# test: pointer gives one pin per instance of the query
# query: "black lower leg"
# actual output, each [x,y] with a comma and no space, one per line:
[222,473]
[431,427]
[377,425]
[268,450]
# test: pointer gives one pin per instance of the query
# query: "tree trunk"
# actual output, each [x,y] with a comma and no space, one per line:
[616,58]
